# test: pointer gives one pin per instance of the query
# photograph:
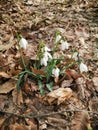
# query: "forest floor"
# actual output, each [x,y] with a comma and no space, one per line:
[73,103]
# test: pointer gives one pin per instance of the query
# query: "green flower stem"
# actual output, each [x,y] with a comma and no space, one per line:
[70,65]
[23,62]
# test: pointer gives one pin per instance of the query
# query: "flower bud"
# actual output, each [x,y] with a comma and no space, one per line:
[58,38]
[56,72]
[23,43]
[75,55]
[83,67]
[64,45]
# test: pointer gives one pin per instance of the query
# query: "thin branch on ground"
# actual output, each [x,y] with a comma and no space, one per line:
[44,114]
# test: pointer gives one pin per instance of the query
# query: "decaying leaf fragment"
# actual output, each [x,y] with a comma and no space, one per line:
[81,121]
[4,74]
[59,95]
[7,87]
[17,97]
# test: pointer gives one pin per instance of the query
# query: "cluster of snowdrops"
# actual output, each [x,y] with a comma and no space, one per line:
[46,58]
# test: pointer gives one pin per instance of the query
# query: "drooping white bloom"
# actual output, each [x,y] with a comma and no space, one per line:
[47,49]
[83,67]
[64,45]
[58,38]
[44,61]
[46,56]
[23,43]
[75,55]
[56,72]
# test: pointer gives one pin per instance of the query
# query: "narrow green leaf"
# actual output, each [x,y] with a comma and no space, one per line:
[19,81]
[50,86]
[41,88]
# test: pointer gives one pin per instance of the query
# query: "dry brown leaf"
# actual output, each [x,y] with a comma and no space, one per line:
[3,99]
[4,74]
[1,121]
[36,71]
[81,32]
[81,121]
[60,95]
[17,97]
[6,38]
[93,104]
[9,45]
[27,88]
[32,124]
[20,127]
[66,83]
[72,74]
[81,85]
[95,81]
[7,87]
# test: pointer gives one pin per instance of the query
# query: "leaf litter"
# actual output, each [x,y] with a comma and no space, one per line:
[38,20]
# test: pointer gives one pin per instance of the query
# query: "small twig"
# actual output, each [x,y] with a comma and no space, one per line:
[44,115]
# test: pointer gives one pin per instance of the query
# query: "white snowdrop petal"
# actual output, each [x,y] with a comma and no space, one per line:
[83,68]
[49,55]
[46,56]
[64,45]
[44,62]
[23,43]
[75,56]
[58,37]
[55,72]
[47,49]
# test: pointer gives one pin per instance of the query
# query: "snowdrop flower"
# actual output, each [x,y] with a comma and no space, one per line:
[45,49]
[64,45]
[23,43]
[56,72]
[75,55]
[83,67]
[44,61]
[58,38]
[46,56]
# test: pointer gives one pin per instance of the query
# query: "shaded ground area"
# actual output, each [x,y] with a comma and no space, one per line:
[77,106]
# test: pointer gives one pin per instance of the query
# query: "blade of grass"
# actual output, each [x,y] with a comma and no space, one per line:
[41,88]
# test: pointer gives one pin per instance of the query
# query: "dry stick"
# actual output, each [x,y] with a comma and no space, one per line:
[45,114]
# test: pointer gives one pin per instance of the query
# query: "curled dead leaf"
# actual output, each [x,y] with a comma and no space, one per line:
[60,95]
